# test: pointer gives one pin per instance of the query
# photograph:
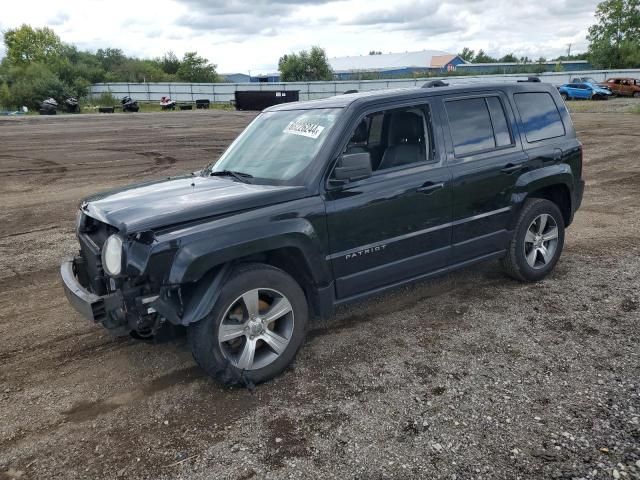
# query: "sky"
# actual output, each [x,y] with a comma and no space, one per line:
[249,36]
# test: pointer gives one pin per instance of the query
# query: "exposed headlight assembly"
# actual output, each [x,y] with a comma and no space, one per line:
[112,255]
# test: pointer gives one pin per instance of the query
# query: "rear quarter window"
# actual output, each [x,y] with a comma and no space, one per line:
[540,116]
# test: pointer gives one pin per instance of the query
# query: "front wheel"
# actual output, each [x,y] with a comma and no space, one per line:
[537,242]
[564,96]
[255,328]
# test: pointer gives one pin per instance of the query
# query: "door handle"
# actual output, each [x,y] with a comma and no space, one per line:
[511,168]
[429,187]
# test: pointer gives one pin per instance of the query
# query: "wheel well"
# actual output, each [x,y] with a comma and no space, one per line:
[558,194]
[292,261]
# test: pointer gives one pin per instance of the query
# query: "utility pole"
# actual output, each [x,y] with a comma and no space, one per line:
[569,51]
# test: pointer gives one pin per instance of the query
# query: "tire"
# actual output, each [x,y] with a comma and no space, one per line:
[636,94]
[564,96]
[229,361]
[517,261]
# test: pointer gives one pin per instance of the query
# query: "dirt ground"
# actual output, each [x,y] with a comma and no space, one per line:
[471,376]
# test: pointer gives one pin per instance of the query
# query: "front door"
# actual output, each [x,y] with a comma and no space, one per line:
[394,225]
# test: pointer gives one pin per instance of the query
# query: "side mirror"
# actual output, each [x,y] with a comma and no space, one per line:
[352,166]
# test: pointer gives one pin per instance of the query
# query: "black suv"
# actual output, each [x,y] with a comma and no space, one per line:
[324,202]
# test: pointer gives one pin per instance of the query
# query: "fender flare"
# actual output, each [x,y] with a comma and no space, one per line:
[536,180]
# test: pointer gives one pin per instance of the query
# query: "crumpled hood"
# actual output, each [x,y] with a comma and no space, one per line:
[146,206]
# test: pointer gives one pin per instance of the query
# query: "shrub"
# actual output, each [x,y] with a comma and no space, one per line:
[5,96]
[33,84]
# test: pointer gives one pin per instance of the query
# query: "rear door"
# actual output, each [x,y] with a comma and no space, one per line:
[485,156]
[543,132]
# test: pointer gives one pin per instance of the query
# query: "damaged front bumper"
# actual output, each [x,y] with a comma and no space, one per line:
[96,309]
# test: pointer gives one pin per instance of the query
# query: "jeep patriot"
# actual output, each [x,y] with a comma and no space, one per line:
[324,202]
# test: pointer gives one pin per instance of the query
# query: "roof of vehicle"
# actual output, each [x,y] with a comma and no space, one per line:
[342,101]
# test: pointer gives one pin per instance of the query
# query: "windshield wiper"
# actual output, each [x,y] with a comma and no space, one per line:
[240,176]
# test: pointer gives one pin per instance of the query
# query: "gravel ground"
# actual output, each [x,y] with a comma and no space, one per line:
[471,376]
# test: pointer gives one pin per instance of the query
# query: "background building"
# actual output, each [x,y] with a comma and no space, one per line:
[535,67]
[394,64]
[416,64]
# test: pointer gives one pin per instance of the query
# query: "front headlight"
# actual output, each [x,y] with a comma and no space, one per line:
[112,255]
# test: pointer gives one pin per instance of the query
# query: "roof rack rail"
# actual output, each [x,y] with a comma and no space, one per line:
[435,83]
[531,79]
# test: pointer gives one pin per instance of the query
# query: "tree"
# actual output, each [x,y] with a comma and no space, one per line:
[509,58]
[194,68]
[26,45]
[305,66]
[110,58]
[5,96]
[34,83]
[375,52]
[482,57]
[614,41]
[467,54]
[170,63]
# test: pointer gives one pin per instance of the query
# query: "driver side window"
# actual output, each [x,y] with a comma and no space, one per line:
[394,138]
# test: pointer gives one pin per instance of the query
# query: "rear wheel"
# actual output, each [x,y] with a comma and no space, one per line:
[537,242]
[255,329]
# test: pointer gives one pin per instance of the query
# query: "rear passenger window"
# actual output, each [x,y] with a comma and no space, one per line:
[540,117]
[477,124]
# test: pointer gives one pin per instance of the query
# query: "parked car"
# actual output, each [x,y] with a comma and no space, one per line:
[320,203]
[590,80]
[585,91]
[629,87]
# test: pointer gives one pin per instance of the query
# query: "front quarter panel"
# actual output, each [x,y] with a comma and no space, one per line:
[298,224]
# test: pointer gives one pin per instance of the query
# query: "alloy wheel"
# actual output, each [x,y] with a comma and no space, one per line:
[541,241]
[256,328]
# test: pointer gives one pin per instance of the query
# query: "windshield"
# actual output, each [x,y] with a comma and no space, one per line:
[277,146]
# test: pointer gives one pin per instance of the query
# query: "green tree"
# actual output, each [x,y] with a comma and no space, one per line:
[482,57]
[467,54]
[110,58]
[305,66]
[509,58]
[194,68]
[614,40]
[32,84]
[5,96]
[26,45]
[170,63]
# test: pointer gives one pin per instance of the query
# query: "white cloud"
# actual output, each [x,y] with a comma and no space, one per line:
[240,36]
